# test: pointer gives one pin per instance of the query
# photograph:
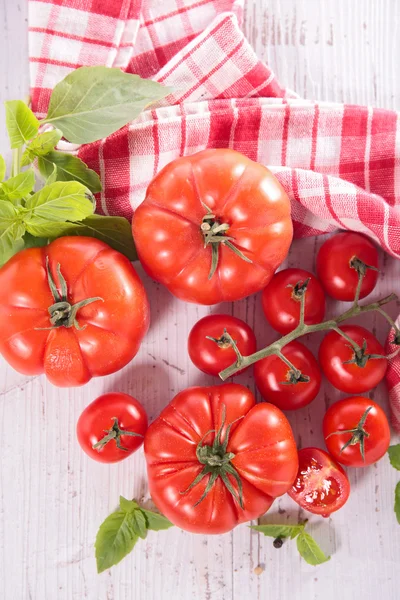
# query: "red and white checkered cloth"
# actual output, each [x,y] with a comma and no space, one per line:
[340,164]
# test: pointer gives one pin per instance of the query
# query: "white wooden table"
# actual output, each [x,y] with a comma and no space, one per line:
[53,497]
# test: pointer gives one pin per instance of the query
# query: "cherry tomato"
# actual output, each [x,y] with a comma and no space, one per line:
[336,261]
[321,485]
[112,427]
[281,299]
[360,374]
[214,226]
[356,431]
[212,356]
[216,459]
[74,310]
[280,385]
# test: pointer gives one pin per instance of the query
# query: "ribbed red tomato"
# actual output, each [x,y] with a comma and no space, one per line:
[214,227]
[214,355]
[321,485]
[336,267]
[349,370]
[287,388]
[74,310]
[215,459]
[356,431]
[281,299]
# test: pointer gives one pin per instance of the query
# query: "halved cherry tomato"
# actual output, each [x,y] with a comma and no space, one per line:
[350,371]
[321,485]
[112,427]
[279,384]
[336,262]
[281,299]
[356,431]
[213,355]
[214,226]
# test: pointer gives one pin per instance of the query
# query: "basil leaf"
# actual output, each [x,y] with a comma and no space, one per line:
[53,176]
[47,229]
[22,125]
[11,231]
[139,523]
[114,231]
[69,168]
[30,241]
[127,505]
[16,188]
[394,456]
[309,550]
[40,145]
[397,502]
[2,168]
[155,521]
[57,202]
[115,539]
[279,531]
[93,102]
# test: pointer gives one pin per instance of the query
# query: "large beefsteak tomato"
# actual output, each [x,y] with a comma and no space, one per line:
[216,459]
[214,227]
[74,309]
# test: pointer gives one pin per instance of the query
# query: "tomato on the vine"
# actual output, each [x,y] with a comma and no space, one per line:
[226,332]
[356,431]
[280,384]
[216,459]
[74,310]
[214,226]
[338,260]
[112,427]
[321,485]
[349,370]
[281,299]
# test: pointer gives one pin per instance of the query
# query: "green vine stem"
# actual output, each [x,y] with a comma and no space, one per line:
[302,329]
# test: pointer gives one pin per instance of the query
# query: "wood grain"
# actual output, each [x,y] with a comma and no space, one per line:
[53,498]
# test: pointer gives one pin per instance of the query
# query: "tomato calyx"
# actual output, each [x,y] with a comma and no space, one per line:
[62,312]
[360,357]
[115,434]
[294,375]
[214,234]
[227,341]
[217,463]
[299,289]
[358,434]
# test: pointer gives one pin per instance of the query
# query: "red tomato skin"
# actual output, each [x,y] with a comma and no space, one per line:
[112,329]
[333,265]
[98,416]
[266,470]
[241,193]
[351,379]
[269,372]
[345,414]
[207,355]
[282,309]
[318,471]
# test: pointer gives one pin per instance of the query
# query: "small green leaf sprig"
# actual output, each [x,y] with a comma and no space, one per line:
[306,545]
[121,530]
[89,104]
[394,457]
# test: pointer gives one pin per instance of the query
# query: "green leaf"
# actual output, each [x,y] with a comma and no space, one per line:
[115,539]
[69,168]
[2,168]
[40,145]
[55,204]
[93,102]
[155,521]
[53,176]
[127,505]
[30,241]
[397,502]
[394,456]
[114,231]
[279,531]
[16,188]
[22,125]
[139,523]
[11,231]
[309,550]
